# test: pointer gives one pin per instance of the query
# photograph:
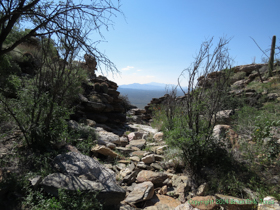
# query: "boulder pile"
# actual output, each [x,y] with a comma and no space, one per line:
[100,102]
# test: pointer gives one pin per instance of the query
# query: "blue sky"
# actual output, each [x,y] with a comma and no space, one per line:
[157,39]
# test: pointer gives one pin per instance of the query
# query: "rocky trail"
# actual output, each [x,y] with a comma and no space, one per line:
[128,165]
[135,174]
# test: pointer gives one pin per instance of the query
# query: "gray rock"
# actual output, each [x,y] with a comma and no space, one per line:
[120,166]
[138,143]
[124,141]
[130,178]
[141,192]
[111,145]
[149,159]
[35,181]
[224,117]
[158,136]
[77,164]
[53,182]
[156,178]
[157,166]
[159,157]
[127,207]
[272,96]
[95,107]
[125,150]
[185,206]
[144,128]
[138,153]
[269,203]
[142,165]
[108,136]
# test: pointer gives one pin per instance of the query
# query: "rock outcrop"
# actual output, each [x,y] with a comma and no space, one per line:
[100,102]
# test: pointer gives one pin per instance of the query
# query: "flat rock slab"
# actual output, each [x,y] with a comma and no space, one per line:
[158,136]
[269,203]
[149,159]
[203,202]
[159,200]
[185,206]
[138,143]
[77,164]
[144,128]
[108,136]
[231,203]
[141,192]
[104,151]
[124,150]
[53,182]
[155,177]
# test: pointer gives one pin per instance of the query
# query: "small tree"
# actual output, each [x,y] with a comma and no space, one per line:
[44,102]
[190,121]
[56,18]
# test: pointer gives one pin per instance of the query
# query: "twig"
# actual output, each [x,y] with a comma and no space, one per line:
[258,46]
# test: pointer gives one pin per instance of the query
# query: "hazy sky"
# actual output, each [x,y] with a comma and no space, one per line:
[157,39]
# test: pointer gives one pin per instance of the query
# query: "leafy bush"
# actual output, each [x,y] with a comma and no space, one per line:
[44,102]
[71,200]
[125,102]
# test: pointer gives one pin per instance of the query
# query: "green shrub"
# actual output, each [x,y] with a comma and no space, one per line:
[44,103]
[238,76]
[71,200]
[125,101]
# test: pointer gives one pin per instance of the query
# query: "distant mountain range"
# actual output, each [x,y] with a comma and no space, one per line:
[148,86]
[141,94]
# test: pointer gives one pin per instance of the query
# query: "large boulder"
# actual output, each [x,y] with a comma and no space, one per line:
[156,178]
[269,203]
[232,203]
[203,202]
[159,201]
[248,68]
[107,136]
[79,165]
[226,134]
[104,151]
[53,182]
[144,128]
[141,192]
[138,143]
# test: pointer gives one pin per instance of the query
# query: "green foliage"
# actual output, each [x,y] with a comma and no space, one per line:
[266,149]
[44,102]
[15,34]
[238,76]
[83,139]
[71,200]
[8,66]
[256,125]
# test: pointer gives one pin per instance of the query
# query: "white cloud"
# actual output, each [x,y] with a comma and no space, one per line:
[139,70]
[127,68]
[150,76]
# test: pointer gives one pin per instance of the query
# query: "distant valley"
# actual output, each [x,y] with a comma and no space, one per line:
[141,94]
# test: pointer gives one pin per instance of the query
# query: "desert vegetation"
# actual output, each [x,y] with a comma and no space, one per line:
[42,85]
[229,167]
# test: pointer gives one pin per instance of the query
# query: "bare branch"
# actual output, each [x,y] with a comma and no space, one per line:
[259,47]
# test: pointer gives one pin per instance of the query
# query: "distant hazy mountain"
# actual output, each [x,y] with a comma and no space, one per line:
[148,86]
[141,94]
